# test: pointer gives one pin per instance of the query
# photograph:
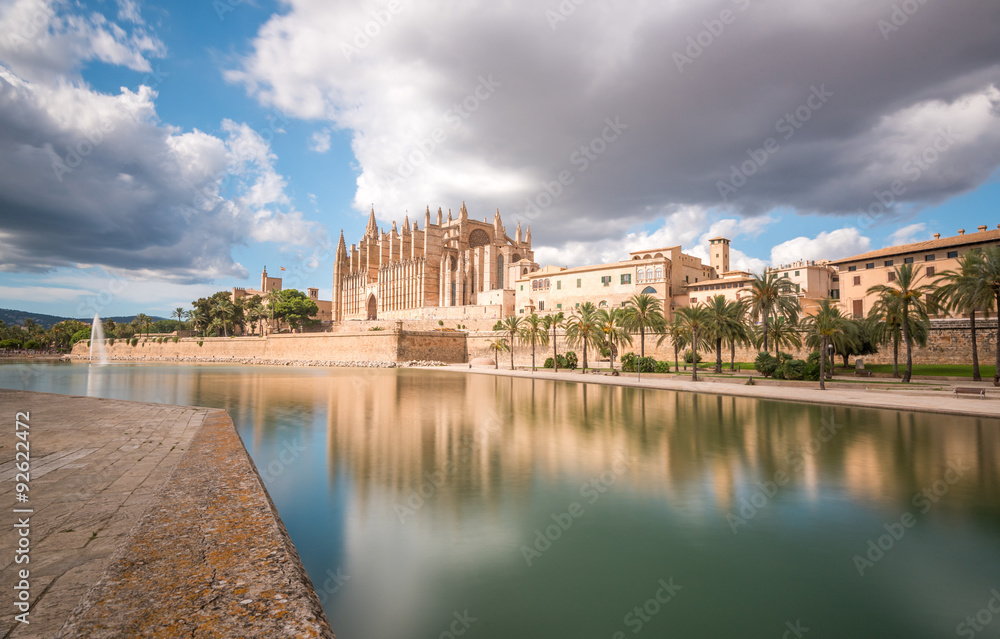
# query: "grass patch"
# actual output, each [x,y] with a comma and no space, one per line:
[935,370]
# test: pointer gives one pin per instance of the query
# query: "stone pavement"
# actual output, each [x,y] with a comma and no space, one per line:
[898,397]
[147,519]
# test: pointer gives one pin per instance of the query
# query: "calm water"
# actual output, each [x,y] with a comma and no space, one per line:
[426,504]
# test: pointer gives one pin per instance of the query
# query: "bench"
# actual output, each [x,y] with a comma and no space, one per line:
[863,373]
[969,391]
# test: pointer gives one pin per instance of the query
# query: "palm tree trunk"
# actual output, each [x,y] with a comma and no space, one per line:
[532,355]
[718,354]
[555,353]
[765,332]
[496,359]
[512,351]
[975,351]
[822,365]
[909,350]
[585,355]
[677,360]
[642,342]
[895,357]
[732,355]
[996,371]
[694,355]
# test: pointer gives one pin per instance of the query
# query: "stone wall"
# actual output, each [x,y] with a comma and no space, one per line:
[375,346]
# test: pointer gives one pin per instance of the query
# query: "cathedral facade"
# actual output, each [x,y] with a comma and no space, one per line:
[420,273]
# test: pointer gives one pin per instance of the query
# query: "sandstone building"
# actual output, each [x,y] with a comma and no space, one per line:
[453,268]
[268,284]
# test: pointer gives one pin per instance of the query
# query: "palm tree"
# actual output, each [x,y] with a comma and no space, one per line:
[273,298]
[783,333]
[696,320]
[224,309]
[179,313]
[989,271]
[582,329]
[512,326]
[679,337]
[610,325]
[724,323]
[554,321]
[965,291]
[198,320]
[911,298]
[772,296]
[497,346]
[142,321]
[643,311]
[534,332]
[827,324]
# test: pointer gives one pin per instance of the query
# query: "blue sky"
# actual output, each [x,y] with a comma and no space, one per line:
[216,138]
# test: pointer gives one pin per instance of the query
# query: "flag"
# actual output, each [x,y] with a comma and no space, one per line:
[282,268]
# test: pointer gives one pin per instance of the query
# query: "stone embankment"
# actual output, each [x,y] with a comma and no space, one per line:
[256,361]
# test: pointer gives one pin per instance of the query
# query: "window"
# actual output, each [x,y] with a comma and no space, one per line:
[857,280]
[578,284]
[558,285]
[577,305]
[952,253]
[603,304]
[659,273]
[870,265]
[534,285]
[929,257]
[606,280]
[835,293]
[892,276]
[626,278]
[649,273]
[858,308]
[798,288]
[558,305]
[624,303]
[640,275]
[694,300]
[852,268]
[930,271]
[687,279]
[796,273]
[887,263]
[649,290]
[541,305]
[522,310]
[908,260]
[785,274]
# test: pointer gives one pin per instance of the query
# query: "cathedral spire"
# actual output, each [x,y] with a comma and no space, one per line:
[427,217]
[517,235]
[406,224]
[341,246]
[463,214]
[440,214]
[372,228]
[527,238]
[449,215]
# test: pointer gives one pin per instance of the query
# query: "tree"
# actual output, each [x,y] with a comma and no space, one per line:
[772,296]
[294,307]
[180,314]
[533,332]
[909,297]
[255,313]
[822,328]
[725,323]
[989,271]
[783,334]
[582,329]
[643,311]
[498,346]
[551,322]
[512,326]
[224,310]
[679,337]
[696,320]
[610,326]
[141,321]
[966,291]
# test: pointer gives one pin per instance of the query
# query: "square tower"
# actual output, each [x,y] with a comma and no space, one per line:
[718,250]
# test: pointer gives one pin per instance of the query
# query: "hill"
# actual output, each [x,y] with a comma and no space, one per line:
[11,317]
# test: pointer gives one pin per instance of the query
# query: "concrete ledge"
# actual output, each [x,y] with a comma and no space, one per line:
[209,558]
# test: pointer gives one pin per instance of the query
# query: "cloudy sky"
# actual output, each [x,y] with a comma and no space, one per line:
[152,153]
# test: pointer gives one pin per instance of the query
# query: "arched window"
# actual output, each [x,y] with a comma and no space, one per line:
[534,285]
[478,237]
[659,272]
[649,273]
[603,304]
[546,283]
[649,290]
[640,276]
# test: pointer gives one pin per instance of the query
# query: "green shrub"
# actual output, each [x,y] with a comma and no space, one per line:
[177,338]
[376,328]
[661,367]
[111,341]
[497,327]
[135,340]
[10,343]
[32,345]
[811,372]
[571,360]
[200,342]
[766,364]
[549,363]
[83,333]
[647,364]
[688,355]
[793,369]
[440,322]
[629,362]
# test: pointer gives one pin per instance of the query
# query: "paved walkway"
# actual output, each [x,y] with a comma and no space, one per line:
[147,520]
[894,398]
